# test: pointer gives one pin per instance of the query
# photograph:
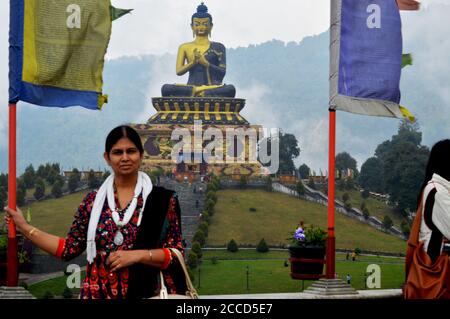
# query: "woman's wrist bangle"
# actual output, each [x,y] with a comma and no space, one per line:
[150,254]
[30,233]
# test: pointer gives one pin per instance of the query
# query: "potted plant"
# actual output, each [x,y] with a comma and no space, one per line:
[307,251]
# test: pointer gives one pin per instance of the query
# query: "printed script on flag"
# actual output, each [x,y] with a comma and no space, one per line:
[57,51]
[366,58]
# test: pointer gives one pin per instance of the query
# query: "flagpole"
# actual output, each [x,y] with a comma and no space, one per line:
[12,278]
[331,240]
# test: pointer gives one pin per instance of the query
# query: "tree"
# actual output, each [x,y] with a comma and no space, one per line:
[39,191]
[29,176]
[73,183]
[404,161]
[344,161]
[3,197]
[371,176]
[105,175]
[304,171]
[288,151]
[52,176]
[42,171]
[21,194]
[57,188]
[93,181]
[387,222]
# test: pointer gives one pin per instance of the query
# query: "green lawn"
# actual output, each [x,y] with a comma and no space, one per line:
[277,215]
[376,207]
[271,276]
[267,273]
[54,215]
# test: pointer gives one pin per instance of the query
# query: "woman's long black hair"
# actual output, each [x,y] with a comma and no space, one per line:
[123,131]
[438,163]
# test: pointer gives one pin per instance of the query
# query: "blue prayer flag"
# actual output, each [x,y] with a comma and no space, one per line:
[366,57]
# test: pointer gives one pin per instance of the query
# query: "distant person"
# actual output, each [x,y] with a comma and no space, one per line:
[348,278]
[353,256]
[196,203]
[347,256]
[117,225]
[428,251]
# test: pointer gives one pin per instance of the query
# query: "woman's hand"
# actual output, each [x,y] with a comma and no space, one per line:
[121,259]
[16,216]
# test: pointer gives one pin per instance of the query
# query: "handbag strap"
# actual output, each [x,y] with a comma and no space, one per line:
[191,291]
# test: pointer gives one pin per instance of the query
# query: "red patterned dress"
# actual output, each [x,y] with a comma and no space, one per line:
[99,282]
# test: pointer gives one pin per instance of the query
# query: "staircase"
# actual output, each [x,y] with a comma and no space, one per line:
[187,198]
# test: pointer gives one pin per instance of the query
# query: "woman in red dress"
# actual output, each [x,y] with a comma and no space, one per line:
[126,226]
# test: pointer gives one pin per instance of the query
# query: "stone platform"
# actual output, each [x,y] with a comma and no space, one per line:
[186,110]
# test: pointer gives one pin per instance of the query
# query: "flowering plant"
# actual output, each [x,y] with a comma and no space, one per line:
[308,236]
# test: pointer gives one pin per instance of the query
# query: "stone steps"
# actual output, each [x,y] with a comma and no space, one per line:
[187,199]
[15,293]
[330,287]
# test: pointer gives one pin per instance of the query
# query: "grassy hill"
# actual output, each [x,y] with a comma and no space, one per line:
[54,215]
[277,215]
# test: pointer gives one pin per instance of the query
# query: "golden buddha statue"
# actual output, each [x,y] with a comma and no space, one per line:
[204,60]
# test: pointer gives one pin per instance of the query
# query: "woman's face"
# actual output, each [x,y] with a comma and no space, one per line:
[124,157]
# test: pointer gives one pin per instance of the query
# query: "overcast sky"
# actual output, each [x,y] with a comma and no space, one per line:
[159,26]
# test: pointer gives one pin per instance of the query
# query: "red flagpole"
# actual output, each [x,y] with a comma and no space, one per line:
[331,241]
[12,278]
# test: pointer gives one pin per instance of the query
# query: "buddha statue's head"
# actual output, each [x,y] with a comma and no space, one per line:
[201,22]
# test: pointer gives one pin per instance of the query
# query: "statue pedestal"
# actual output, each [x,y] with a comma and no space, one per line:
[195,113]
[186,110]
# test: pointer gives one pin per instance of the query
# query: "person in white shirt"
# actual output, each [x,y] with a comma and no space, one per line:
[435,196]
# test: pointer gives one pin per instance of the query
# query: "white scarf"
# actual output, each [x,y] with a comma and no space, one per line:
[106,191]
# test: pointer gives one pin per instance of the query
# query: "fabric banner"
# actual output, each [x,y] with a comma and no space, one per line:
[366,57]
[56,51]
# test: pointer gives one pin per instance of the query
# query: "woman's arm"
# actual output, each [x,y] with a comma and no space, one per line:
[47,242]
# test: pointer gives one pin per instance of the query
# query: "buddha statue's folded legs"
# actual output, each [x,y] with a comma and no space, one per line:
[180,90]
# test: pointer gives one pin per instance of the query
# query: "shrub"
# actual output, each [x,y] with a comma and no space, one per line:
[232,246]
[197,249]
[204,228]
[405,227]
[365,193]
[199,237]
[387,222]
[210,195]
[300,189]
[57,188]
[347,206]
[192,260]
[205,217]
[262,247]
[357,251]
[252,209]
[209,206]
[214,260]
[311,184]
[366,213]
[48,295]
[345,197]
[67,293]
